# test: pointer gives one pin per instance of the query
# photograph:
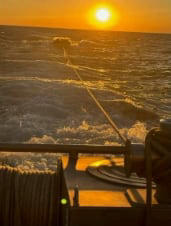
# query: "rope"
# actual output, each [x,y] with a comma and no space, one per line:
[28,197]
[107,116]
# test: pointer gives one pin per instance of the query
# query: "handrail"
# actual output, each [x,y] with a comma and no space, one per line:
[62,148]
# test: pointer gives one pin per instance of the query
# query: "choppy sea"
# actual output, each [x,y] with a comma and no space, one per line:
[42,100]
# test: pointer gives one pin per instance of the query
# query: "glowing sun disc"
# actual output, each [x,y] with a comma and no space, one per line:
[103,15]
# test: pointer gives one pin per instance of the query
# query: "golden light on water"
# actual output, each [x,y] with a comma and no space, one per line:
[103,17]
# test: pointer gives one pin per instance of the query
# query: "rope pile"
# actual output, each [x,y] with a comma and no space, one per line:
[28,198]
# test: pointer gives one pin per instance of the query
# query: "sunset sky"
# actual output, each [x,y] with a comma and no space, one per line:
[127,15]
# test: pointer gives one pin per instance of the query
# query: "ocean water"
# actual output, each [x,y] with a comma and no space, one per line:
[42,100]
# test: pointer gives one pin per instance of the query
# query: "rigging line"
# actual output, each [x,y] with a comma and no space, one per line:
[124,140]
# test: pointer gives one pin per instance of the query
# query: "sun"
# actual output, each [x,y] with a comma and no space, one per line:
[103,15]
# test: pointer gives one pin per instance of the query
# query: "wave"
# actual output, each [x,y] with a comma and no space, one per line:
[60,41]
[86,43]
[130,110]
[83,133]
[90,134]
[30,161]
[49,108]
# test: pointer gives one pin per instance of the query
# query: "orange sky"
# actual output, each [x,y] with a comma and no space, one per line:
[133,15]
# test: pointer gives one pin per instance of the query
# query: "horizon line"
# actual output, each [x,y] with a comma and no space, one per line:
[84,29]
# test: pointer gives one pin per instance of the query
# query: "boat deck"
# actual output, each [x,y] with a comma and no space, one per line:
[96,192]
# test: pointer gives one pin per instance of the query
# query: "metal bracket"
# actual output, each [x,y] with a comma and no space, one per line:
[76,196]
[72,162]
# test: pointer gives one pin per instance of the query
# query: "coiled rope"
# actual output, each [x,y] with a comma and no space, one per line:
[98,104]
[28,198]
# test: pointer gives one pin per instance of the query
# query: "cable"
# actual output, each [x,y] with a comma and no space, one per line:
[124,140]
[29,197]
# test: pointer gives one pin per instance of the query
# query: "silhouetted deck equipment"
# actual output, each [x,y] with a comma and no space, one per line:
[91,188]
